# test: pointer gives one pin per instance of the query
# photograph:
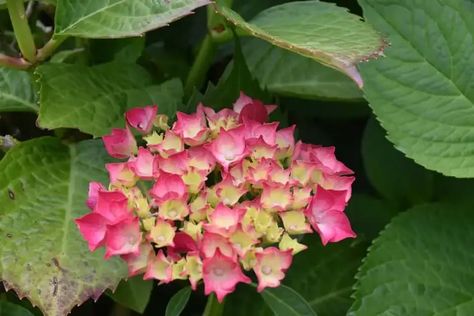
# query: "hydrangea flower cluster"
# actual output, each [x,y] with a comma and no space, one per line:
[216,194]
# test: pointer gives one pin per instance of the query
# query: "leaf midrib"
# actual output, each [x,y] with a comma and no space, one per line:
[9,96]
[69,202]
[71,26]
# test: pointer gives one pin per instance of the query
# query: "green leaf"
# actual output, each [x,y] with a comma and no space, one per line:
[94,99]
[178,302]
[126,50]
[9,309]
[16,91]
[393,175]
[420,265]
[319,30]
[369,215]
[118,18]
[284,301]
[43,186]
[133,293]
[288,74]
[422,92]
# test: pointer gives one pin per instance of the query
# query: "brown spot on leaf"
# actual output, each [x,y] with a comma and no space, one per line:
[9,235]
[11,194]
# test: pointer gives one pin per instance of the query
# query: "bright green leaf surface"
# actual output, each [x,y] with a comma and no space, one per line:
[94,99]
[16,91]
[315,29]
[133,293]
[285,73]
[43,186]
[420,265]
[395,177]
[178,302]
[118,18]
[423,91]
[10,309]
[322,275]
[284,301]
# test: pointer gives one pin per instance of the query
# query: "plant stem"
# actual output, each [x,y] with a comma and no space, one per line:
[12,62]
[49,48]
[19,20]
[201,65]
[213,307]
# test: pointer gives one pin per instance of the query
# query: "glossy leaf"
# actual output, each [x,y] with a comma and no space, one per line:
[43,186]
[395,177]
[133,293]
[284,301]
[94,99]
[10,309]
[420,265]
[16,91]
[288,74]
[118,18]
[422,92]
[319,30]
[178,302]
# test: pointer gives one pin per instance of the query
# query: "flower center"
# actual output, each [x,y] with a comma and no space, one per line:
[172,213]
[218,271]
[266,270]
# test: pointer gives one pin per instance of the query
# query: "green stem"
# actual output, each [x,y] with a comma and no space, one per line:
[201,65]
[49,48]
[12,62]
[16,9]
[213,307]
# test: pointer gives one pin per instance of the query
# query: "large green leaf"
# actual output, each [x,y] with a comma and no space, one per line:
[118,18]
[10,309]
[422,92]
[133,293]
[322,275]
[395,177]
[319,30]
[422,264]
[16,91]
[94,99]
[43,186]
[285,73]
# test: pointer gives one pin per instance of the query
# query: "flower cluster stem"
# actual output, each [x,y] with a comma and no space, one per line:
[23,35]
[201,65]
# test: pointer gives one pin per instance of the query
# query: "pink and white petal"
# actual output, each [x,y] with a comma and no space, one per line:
[93,228]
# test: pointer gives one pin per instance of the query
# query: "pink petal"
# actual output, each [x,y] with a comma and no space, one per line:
[143,165]
[142,118]
[137,263]
[94,188]
[221,274]
[113,206]
[123,238]
[332,226]
[271,266]
[167,187]
[92,227]
[120,143]
[229,147]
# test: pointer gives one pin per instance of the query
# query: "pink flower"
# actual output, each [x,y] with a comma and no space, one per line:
[229,147]
[113,207]
[325,213]
[93,228]
[256,130]
[144,164]
[123,238]
[142,118]
[221,274]
[224,220]
[159,268]
[252,108]
[212,242]
[191,127]
[175,164]
[120,174]
[120,143]
[94,188]
[168,186]
[137,263]
[271,266]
